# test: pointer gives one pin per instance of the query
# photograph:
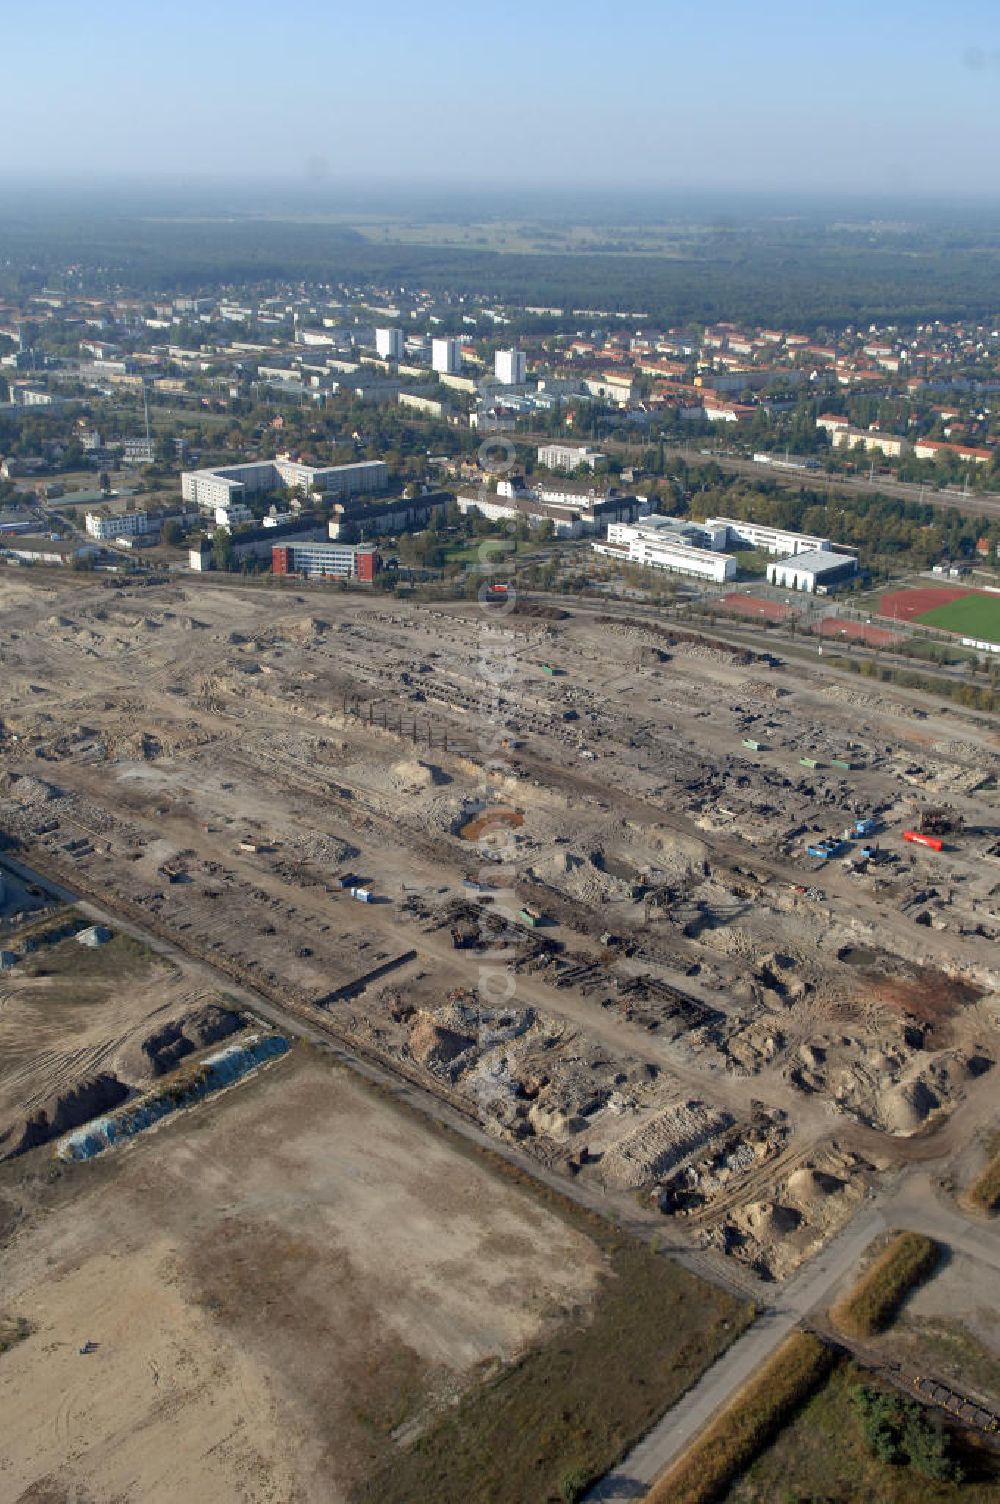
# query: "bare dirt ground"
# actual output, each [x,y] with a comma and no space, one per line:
[80,1029]
[704,1009]
[278,1284]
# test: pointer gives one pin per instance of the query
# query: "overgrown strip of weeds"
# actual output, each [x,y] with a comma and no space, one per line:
[984,1191]
[747,1425]
[903,1264]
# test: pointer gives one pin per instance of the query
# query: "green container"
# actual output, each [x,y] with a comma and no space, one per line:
[840,762]
[809,762]
[752,745]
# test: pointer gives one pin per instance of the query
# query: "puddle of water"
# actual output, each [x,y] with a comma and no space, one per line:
[857,955]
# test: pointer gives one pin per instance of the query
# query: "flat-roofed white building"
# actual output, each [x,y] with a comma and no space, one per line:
[568,456]
[390,343]
[772,540]
[695,534]
[511,367]
[446,356]
[102,525]
[209,489]
[813,572]
[661,548]
[571,516]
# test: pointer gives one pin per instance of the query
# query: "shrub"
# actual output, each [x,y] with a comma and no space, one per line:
[897,1430]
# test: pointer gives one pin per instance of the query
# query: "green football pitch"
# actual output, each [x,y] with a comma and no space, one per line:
[973,616]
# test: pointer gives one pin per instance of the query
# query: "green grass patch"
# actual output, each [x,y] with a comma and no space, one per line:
[555,1421]
[747,1425]
[471,551]
[824,1454]
[899,1268]
[972,616]
[120,956]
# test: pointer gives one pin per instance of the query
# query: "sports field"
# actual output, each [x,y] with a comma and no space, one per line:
[973,615]
[753,606]
[856,631]
[912,604]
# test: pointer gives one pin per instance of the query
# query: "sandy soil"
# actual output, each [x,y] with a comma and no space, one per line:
[230,752]
[275,1282]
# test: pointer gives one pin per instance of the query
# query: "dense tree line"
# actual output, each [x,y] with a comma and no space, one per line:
[808,275]
[886,531]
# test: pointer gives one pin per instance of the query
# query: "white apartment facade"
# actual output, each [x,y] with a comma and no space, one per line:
[891,444]
[446,356]
[511,367]
[617,391]
[390,344]
[102,525]
[568,456]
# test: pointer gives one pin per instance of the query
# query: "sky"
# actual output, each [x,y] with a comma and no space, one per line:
[891,97]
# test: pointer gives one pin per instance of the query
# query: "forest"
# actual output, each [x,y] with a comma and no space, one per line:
[807,271]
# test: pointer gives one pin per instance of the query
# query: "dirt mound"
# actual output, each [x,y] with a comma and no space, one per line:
[808,1186]
[28,790]
[905,1108]
[70,1110]
[432,1044]
[656,1145]
[423,774]
[183,1036]
[304,627]
[766,1221]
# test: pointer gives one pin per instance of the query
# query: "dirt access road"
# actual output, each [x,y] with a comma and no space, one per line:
[912,1203]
